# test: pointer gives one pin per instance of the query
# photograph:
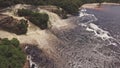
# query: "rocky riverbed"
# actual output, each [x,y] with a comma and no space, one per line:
[82,41]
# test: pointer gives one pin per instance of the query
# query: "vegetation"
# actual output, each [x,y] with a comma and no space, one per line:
[39,19]
[22,27]
[70,6]
[19,27]
[24,12]
[11,55]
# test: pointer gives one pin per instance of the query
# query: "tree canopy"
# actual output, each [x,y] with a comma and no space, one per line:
[11,55]
[39,19]
[70,6]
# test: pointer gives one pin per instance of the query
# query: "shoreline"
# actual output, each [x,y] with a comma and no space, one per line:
[95,5]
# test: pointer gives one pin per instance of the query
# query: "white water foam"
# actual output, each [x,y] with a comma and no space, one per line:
[34,35]
[98,31]
[92,27]
[29,58]
[43,38]
[85,16]
[83,13]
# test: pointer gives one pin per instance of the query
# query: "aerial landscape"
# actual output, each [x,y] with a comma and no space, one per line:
[59,33]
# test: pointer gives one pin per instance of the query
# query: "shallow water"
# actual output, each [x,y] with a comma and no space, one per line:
[91,43]
[85,41]
[108,19]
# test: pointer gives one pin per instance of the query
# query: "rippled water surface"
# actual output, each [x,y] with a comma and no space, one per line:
[108,18]
[90,40]
[89,45]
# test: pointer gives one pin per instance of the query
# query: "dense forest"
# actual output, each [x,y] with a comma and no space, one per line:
[70,6]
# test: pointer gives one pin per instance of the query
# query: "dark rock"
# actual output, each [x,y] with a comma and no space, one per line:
[40,57]
[12,25]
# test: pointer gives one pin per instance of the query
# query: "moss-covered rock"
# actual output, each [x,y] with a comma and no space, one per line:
[12,25]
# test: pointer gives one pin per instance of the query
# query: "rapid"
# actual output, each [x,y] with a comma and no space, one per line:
[76,42]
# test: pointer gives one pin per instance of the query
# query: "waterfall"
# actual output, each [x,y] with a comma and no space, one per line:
[73,43]
[45,39]
[34,35]
[33,30]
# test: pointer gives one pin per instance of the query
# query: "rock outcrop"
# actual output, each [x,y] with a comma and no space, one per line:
[38,58]
[12,25]
[59,11]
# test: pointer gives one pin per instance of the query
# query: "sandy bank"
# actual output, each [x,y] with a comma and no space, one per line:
[95,5]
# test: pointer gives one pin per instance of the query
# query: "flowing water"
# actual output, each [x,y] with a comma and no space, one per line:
[108,19]
[90,40]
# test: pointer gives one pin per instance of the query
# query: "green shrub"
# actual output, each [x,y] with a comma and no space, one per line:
[5,41]
[10,54]
[70,6]
[22,27]
[15,42]
[39,19]
[24,12]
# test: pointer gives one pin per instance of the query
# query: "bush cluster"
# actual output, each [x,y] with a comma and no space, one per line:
[21,27]
[11,55]
[39,19]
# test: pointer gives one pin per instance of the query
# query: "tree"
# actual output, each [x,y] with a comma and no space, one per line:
[15,42]
[22,27]
[11,56]
[39,19]
[24,12]
[5,41]
[99,1]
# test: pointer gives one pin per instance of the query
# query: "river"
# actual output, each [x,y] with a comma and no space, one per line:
[93,40]
[90,40]
[108,19]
